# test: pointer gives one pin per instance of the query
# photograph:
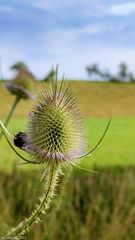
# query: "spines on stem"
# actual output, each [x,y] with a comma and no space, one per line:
[51,179]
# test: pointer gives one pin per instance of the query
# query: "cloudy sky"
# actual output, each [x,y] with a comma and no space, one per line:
[73,34]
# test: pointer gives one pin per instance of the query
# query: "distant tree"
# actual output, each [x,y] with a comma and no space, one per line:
[131,77]
[93,70]
[20,65]
[123,72]
[114,79]
[22,74]
[49,76]
[106,75]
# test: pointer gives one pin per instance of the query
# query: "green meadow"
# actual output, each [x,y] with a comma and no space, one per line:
[97,102]
[93,206]
[116,149]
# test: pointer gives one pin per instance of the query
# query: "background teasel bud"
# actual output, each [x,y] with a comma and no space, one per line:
[55,131]
[23,84]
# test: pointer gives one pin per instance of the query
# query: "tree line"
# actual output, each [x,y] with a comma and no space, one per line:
[123,74]
[21,67]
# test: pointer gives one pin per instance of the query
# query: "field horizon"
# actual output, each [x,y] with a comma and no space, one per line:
[95,99]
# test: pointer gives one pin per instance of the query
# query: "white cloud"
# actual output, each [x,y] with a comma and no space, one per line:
[72,48]
[49,5]
[5,8]
[91,30]
[122,9]
[71,53]
[84,8]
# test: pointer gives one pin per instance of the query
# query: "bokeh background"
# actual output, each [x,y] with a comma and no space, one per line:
[93,44]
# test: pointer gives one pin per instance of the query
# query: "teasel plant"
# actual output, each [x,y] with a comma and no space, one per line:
[21,87]
[54,137]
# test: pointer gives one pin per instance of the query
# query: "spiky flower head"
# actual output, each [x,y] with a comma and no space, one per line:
[55,131]
[55,136]
[22,85]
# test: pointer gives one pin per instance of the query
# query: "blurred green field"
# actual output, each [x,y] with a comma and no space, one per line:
[93,206]
[96,101]
[117,147]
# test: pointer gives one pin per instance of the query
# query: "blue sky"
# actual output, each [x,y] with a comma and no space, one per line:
[73,34]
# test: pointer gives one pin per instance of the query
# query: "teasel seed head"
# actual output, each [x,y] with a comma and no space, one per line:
[22,85]
[55,131]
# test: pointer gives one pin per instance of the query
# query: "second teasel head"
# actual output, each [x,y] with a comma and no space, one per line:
[23,84]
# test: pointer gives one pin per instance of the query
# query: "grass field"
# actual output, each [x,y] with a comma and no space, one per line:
[117,147]
[94,206]
[96,102]
[94,99]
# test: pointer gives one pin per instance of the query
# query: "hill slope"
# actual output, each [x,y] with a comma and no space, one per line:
[95,99]
[100,99]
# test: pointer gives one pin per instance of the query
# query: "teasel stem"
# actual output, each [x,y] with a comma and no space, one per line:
[50,178]
[61,196]
[17,99]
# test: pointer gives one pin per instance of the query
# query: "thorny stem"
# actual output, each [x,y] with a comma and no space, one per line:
[12,111]
[17,99]
[61,196]
[51,181]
